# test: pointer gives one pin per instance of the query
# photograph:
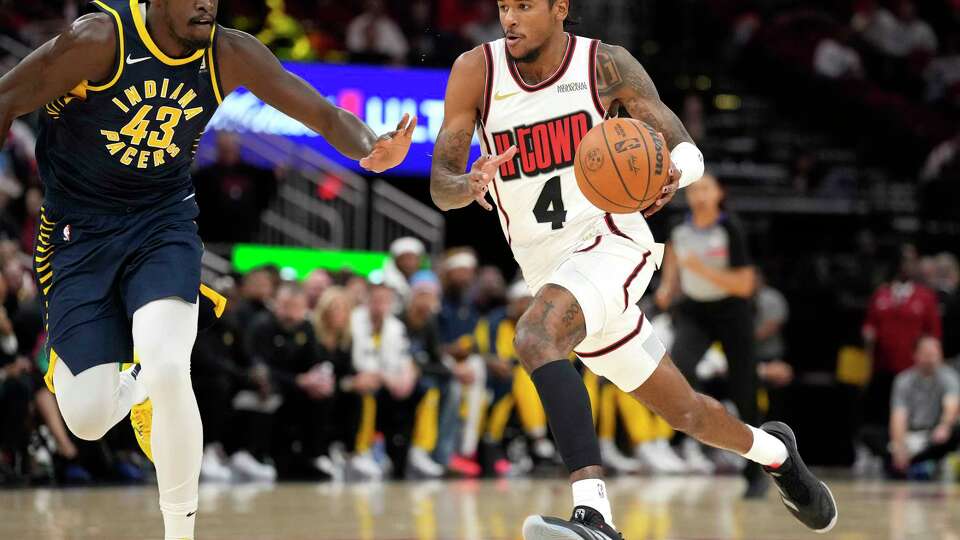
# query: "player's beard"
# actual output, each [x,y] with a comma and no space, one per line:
[528,58]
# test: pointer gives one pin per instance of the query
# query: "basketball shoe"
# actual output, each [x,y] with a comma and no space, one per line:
[805,496]
[585,524]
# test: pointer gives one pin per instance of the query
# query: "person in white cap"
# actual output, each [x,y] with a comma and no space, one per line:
[406,257]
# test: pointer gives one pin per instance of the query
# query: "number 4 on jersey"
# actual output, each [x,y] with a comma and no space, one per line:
[549,207]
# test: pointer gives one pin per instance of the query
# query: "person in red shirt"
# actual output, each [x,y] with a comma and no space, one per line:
[899,313]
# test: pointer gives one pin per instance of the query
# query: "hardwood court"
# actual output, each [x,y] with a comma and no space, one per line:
[646,509]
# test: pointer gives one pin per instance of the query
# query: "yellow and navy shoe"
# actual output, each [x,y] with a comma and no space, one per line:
[212,305]
[141,418]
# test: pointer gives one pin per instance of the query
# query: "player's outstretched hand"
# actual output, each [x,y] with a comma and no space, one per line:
[391,149]
[666,195]
[482,173]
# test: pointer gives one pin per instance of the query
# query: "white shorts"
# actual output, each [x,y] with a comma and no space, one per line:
[607,276]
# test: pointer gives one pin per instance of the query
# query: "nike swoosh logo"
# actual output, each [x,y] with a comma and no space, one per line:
[131,60]
[500,97]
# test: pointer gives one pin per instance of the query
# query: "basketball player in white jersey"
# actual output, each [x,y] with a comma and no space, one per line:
[533,96]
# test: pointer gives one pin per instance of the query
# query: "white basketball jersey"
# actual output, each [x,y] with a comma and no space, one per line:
[543,213]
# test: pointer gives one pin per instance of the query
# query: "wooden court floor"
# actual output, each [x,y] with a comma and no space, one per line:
[646,509]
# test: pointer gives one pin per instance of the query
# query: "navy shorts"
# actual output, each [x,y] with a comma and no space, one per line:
[95,270]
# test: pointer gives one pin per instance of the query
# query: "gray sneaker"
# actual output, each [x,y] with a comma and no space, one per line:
[585,524]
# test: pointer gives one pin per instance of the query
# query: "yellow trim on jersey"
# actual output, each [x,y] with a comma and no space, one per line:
[212,66]
[116,77]
[51,367]
[219,301]
[151,46]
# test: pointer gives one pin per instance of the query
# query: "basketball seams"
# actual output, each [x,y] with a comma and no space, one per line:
[646,151]
[586,178]
[613,159]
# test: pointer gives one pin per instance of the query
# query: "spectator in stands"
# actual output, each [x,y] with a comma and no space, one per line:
[373,36]
[834,59]
[381,351]
[317,282]
[458,315]
[924,410]
[256,291]
[406,257]
[898,315]
[232,194]
[490,290]
[438,414]
[283,346]
[770,315]
[878,27]
[916,35]
[285,35]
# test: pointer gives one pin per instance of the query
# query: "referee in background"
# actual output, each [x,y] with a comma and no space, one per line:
[707,283]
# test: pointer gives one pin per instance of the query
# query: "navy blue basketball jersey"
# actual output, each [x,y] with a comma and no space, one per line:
[129,141]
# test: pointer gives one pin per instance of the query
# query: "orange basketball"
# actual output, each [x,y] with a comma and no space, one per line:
[622,165]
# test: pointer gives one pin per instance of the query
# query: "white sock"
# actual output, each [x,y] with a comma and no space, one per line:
[593,493]
[178,520]
[767,450]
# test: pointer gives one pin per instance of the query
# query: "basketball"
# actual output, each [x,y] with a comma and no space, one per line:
[622,165]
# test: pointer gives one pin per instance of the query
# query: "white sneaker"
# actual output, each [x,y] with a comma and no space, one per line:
[331,468]
[365,467]
[613,459]
[213,467]
[247,467]
[660,458]
[694,457]
[420,465]
[544,449]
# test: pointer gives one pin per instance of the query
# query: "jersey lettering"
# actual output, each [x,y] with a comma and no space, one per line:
[147,138]
[544,146]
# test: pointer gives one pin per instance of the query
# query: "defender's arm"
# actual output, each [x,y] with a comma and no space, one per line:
[621,77]
[84,52]
[244,61]
[449,186]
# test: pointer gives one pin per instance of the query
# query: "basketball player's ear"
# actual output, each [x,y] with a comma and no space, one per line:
[562,9]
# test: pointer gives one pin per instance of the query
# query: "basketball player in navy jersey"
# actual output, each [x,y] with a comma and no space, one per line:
[126,94]
[532,96]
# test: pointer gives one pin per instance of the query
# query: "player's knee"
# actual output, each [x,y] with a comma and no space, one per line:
[88,423]
[533,348]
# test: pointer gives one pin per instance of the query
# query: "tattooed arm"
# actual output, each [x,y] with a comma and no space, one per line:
[621,78]
[449,186]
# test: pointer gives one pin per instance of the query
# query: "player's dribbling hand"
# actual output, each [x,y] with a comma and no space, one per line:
[391,149]
[482,173]
[666,195]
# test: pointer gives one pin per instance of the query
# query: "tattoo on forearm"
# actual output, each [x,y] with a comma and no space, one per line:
[449,163]
[621,77]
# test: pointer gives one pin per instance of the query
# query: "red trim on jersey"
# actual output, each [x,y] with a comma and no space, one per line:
[506,217]
[623,341]
[594,48]
[488,82]
[568,56]
[613,226]
[592,246]
[629,281]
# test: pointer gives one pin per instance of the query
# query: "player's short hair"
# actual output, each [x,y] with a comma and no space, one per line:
[572,20]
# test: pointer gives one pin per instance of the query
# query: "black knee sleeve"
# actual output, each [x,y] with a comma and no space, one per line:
[567,405]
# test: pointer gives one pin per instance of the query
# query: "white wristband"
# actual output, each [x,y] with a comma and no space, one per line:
[688,158]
